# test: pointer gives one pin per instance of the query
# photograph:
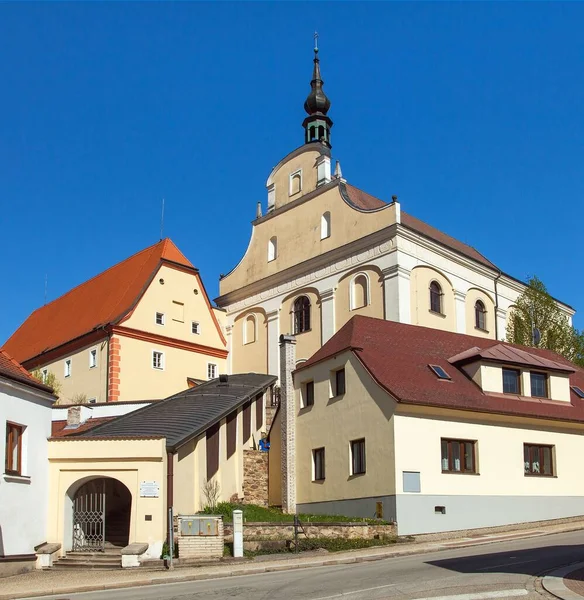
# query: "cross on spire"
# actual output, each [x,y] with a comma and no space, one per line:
[316,41]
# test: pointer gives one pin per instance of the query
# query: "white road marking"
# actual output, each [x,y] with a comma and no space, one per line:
[344,594]
[480,595]
[521,562]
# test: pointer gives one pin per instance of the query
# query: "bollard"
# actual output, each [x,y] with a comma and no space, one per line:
[238,533]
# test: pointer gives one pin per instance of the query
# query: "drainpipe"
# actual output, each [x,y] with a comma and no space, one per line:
[169,490]
[497,305]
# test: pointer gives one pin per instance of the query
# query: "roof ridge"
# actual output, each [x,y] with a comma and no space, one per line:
[17,364]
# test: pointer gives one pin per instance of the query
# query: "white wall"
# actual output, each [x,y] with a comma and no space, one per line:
[24,500]
[94,411]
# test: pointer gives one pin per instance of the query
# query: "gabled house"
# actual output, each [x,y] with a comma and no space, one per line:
[25,419]
[436,430]
[136,331]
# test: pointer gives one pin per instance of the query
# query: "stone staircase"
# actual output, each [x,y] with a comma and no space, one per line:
[110,559]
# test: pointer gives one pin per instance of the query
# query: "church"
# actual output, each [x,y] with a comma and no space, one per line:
[324,251]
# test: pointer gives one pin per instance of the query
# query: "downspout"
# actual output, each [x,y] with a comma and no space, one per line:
[169,491]
[497,305]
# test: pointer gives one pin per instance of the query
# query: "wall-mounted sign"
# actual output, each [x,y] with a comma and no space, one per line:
[149,489]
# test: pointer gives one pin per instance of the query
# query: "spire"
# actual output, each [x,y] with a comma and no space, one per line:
[317,125]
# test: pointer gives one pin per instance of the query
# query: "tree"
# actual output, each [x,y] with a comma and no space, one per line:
[537,320]
[50,379]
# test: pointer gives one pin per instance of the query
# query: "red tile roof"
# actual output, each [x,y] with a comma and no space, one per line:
[102,300]
[365,201]
[397,357]
[58,427]
[13,370]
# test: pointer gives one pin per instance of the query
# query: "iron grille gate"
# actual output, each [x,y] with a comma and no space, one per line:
[89,518]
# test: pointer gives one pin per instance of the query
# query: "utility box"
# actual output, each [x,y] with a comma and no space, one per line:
[200,536]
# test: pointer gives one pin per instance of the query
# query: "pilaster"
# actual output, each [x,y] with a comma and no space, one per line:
[229,340]
[460,311]
[327,312]
[501,323]
[396,294]
[288,422]
[273,319]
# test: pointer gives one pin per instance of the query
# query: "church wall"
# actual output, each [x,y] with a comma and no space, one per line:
[248,356]
[309,342]
[374,308]
[420,280]
[306,163]
[472,296]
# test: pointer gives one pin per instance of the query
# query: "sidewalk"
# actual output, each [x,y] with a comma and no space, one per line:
[44,583]
[566,583]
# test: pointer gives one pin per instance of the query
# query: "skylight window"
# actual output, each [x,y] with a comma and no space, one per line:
[439,372]
[578,391]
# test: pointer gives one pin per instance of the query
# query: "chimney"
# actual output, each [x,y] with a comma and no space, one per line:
[259,210]
[73,416]
[288,422]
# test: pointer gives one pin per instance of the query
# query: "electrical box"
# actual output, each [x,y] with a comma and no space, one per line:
[199,526]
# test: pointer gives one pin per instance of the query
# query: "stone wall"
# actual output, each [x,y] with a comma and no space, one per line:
[255,477]
[335,530]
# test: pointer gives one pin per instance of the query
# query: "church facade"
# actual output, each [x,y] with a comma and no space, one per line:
[325,251]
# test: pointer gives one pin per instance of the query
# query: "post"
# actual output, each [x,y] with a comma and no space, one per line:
[296,534]
[238,534]
[170,537]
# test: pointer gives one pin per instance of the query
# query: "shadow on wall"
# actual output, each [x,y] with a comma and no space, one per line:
[1,543]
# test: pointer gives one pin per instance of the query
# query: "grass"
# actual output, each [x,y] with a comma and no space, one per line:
[253,513]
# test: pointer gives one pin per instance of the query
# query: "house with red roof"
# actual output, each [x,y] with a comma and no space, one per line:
[323,250]
[25,417]
[137,331]
[434,430]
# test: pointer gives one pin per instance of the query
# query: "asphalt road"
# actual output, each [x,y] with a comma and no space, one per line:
[500,570]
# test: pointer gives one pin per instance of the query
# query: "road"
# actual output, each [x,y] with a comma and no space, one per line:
[499,570]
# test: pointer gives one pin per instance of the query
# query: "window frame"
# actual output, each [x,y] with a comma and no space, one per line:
[162,360]
[162,319]
[215,370]
[195,328]
[540,450]
[367,293]
[291,181]
[9,449]
[436,294]
[307,399]
[318,467]
[518,379]
[67,367]
[546,384]
[450,442]
[325,225]
[337,372]
[273,248]
[361,460]
[93,358]
[246,339]
[301,316]
[480,313]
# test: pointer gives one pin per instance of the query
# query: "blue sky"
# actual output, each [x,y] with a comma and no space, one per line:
[470,112]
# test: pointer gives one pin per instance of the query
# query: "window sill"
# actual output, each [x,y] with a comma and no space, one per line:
[355,475]
[318,480]
[481,329]
[306,408]
[459,473]
[436,314]
[325,238]
[13,478]
[543,475]
[93,367]
[301,332]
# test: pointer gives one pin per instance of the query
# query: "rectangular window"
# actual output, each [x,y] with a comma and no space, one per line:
[318,464]
[339,382]
[13,464]
[231,433]
[211,370]
[538,460]
[212,450]
[195,327]
[246,421]
[159,318]
[357,457]
[157,360]
[458,456]
[308,394]
[511,381]
[68,368]
[178,311]
[539,385]
[93,358]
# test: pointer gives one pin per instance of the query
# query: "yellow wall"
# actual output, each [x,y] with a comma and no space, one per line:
[281,177]
[83,380]
[309,342]
[72,461]
[420,280]
[472,296]
[499,452]
[343,310]
[274,462]
[178,287]
[139,381]
[365,411]
[299,236]
[251,357]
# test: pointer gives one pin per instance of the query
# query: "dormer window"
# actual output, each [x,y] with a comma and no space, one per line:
[511,381]
[539,386]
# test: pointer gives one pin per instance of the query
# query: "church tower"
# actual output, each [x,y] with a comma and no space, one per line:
[317,125]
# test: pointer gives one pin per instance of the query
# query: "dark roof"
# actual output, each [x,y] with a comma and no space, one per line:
[13,370]
[364,201]
[189,413]
[398,357]
[59,428]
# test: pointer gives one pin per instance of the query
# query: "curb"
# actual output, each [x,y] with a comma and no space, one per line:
[554,582]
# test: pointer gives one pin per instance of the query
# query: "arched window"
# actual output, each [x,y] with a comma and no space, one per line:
[320,132]
[436,298]
[272,248]
[359,291]
[295,183]
[249,330]
[325,225]
[480,315]
[301,314]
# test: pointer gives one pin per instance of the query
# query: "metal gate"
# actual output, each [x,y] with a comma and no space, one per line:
[89,517]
